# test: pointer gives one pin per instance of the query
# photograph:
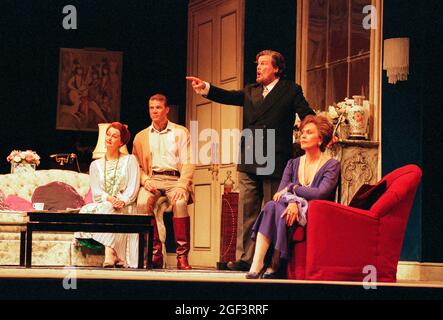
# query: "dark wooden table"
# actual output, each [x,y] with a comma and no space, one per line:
[91,222]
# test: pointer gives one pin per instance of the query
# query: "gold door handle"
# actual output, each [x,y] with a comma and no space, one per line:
[214,168]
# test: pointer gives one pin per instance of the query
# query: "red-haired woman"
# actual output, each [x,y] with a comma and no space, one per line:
[115,181]
[311,176]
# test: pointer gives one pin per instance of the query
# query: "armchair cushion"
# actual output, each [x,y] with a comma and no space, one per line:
[58,196]
[367,195]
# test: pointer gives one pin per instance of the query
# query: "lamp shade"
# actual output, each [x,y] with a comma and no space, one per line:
[396,59]
[100,148]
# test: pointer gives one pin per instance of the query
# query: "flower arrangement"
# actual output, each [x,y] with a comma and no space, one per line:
[338,114]
[354,113]
[24,157]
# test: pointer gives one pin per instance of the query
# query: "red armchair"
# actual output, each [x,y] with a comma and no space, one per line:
[340,240]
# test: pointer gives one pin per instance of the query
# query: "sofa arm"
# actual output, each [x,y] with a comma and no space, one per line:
[341,240]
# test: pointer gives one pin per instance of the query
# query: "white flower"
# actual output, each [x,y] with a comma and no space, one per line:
[342,106]
[27,156]
[332,112]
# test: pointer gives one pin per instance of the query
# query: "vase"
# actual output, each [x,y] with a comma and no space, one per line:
[358,118]
[22,167]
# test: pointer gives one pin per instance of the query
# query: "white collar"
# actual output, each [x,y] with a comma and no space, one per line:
[272,85]
[168,127]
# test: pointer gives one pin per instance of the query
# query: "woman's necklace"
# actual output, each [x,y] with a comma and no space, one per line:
[312,174]
[115,173]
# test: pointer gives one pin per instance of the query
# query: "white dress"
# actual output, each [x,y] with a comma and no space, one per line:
[122,181]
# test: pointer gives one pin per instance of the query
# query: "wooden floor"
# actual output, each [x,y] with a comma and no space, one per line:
[69,283]
[196,275]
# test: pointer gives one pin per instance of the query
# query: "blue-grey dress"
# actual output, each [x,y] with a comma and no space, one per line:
[323,187]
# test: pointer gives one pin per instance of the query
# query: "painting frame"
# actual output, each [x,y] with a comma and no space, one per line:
[89,88]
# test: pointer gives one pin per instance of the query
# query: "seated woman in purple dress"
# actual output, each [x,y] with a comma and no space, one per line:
[309,177]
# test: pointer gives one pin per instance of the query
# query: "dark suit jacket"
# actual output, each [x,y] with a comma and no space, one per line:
[276,111]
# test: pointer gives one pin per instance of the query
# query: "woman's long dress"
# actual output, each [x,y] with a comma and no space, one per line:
[122,181]
[323,186]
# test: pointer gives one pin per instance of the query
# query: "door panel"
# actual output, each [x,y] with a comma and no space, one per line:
[215,54]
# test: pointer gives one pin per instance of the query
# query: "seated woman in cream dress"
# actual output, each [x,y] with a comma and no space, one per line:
[115,180]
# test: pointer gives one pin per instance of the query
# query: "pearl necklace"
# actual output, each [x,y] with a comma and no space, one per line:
[115,173]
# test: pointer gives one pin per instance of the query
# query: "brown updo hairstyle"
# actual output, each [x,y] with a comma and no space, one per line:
[125,135]
[324,127]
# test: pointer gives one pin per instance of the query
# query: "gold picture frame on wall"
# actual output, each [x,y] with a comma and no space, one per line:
[89,88]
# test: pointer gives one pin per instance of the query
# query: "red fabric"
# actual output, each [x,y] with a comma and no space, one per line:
[88,197]
[228,227]
[58,196]
[297,262]
[299,234]
[341,240]
[17,203]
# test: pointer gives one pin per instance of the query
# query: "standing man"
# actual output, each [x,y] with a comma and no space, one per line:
[269,104]
[163,151]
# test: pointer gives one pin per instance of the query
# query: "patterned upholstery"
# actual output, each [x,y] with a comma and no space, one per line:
[48,248]
[24,184]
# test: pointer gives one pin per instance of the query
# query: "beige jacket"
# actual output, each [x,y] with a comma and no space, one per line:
[142,152]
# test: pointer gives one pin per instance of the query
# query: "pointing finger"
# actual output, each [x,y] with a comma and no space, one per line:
[193,78]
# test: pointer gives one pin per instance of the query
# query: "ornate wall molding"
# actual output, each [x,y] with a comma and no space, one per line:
[359,165]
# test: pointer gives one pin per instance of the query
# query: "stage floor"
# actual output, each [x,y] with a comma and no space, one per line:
[197,284]
[195,275]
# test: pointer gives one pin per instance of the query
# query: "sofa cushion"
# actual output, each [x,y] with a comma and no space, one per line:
[367,195]
[58,196]
[88,197]
[17,203]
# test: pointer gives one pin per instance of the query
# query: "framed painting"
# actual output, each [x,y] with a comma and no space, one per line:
[89,88]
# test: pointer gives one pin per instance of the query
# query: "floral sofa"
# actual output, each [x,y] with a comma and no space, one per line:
[49,249]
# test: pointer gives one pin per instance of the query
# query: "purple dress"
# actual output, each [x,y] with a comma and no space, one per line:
[323,187]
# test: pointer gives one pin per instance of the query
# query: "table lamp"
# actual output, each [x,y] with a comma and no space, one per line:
[100,148]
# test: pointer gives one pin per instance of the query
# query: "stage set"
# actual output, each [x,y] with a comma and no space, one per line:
[198,284]
[352,60]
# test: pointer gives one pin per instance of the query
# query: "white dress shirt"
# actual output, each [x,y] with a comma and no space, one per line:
[167,148]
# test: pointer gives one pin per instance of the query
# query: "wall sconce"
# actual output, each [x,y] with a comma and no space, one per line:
[100,148]
[396,59]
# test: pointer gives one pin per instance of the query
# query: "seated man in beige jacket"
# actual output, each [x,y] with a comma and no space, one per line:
[163,151]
